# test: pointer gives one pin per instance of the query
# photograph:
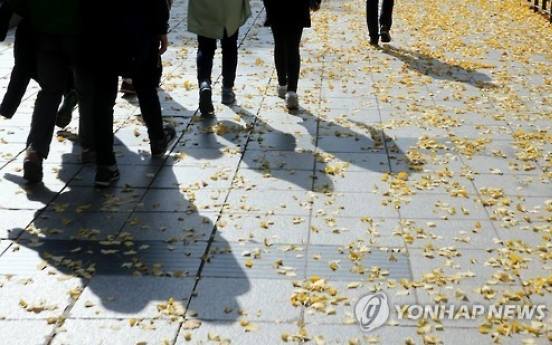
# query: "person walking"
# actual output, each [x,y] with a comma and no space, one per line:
[55,29]
[24,69]
[287,19]
[379,22]
[132,51]
[216,20]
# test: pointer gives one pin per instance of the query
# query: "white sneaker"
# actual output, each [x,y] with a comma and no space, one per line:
[292,100]
[281,91]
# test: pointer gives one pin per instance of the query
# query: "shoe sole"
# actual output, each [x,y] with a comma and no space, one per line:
[105,183]
[32,172]
[169,143]
[205,102]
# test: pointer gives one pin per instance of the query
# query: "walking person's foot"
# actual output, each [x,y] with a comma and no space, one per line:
[228,96]
[159,147]
[32,167]
[206,107]
[281,91]
[65,112]
[384,35]
[106,175]
[374,41]
[291,100]
[88,156]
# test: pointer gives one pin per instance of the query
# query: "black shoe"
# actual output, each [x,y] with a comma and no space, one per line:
[206,107]
[88,156]
[7,111]
[374,42]
[159,147]
[384,35]
[65,112]
[32,167]
[106,175]
[228,96]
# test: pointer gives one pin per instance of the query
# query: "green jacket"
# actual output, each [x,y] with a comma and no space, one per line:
[50,16]
[210,18]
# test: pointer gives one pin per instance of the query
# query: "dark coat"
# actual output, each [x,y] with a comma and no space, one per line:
[126,33]
[140,23]
[288,12]
[6,14]
[51,16]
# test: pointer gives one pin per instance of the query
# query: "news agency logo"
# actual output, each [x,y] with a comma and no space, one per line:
[372,311]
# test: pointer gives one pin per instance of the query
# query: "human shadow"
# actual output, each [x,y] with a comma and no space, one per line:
[257,146]
[435,68]
[139,247]
[346,144]
[327,148]
[280,155]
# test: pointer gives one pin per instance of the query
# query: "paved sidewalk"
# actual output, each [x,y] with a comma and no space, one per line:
[421,170]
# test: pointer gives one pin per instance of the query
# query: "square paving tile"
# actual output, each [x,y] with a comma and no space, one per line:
[17,331]
[33,297]
[353,205]
[337,230]
[257,300]
[86,331]
[119,297]
[467,267]
[257,227]
[234,332]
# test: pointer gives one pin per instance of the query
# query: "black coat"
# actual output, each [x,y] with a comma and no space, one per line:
[289,12]
[6,14]
[125,33]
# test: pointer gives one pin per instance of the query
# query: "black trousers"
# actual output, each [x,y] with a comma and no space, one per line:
[24,52]
[145,78]
[206,52]
[57,59]
[287,55]
[104,83]
[384,20]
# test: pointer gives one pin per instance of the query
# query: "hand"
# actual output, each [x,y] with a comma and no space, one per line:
[163,44]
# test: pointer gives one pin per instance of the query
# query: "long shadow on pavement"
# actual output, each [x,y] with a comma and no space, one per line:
[138,247]
[435,68]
